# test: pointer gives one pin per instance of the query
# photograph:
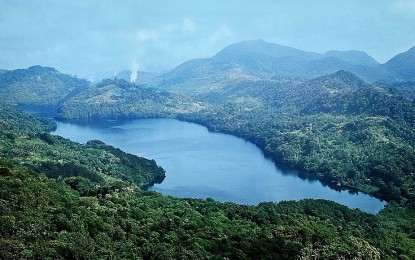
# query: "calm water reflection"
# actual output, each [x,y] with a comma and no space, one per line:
[202,164]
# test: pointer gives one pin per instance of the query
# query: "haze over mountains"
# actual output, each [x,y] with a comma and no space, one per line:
[339,117]
[248,60]
[263,60]
[258,60]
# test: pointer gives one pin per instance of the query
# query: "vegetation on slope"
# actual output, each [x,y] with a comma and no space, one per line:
[94,209]
[14,119]
[43,218]
[25,142]
[38,85]
[335,128]
[117,98]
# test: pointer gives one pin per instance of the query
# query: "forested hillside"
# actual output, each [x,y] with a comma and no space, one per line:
[61,199]
[97,212]
[38,85]
[25,141]
[118,98]
[335,128]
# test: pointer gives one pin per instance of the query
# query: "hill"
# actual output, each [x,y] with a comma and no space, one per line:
[38,85]
[25,141]
[336,128]
[200,75]
[117,98]
[403,65]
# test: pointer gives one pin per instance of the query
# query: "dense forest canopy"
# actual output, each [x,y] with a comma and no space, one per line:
[339,117]
[91,206]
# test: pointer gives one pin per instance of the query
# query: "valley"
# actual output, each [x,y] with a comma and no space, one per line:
[233,170]
[339,117]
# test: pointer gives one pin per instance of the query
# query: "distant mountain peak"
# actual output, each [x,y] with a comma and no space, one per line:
[262,58]
[404,55]
[261,47]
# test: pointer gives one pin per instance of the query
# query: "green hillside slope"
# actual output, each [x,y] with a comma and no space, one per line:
[91,207]
[38,85]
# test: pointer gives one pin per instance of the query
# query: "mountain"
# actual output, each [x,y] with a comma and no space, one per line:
[353,57]
[403,65]
[255,49]
[261,60]
[38,85]
[201,75]
[406,88]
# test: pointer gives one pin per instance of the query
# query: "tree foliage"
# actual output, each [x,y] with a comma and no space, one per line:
[45,218]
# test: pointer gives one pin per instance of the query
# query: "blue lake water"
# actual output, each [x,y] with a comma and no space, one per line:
[203,164]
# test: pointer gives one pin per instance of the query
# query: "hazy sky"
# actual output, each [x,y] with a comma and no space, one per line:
[87,36]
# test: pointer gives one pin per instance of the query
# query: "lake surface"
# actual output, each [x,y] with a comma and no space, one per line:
[203,164]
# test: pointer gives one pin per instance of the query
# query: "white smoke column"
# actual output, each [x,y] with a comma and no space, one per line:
[134,69]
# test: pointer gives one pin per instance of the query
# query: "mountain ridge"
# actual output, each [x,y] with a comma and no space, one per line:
[403,65]
[263,60]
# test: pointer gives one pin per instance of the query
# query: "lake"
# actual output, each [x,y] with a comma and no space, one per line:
[203,164]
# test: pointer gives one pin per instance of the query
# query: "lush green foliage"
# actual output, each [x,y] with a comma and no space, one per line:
[94,209]
[118,98]
[11,118]
[335,128]
[22,143]
[38,86]
[42,218]
[406,88]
